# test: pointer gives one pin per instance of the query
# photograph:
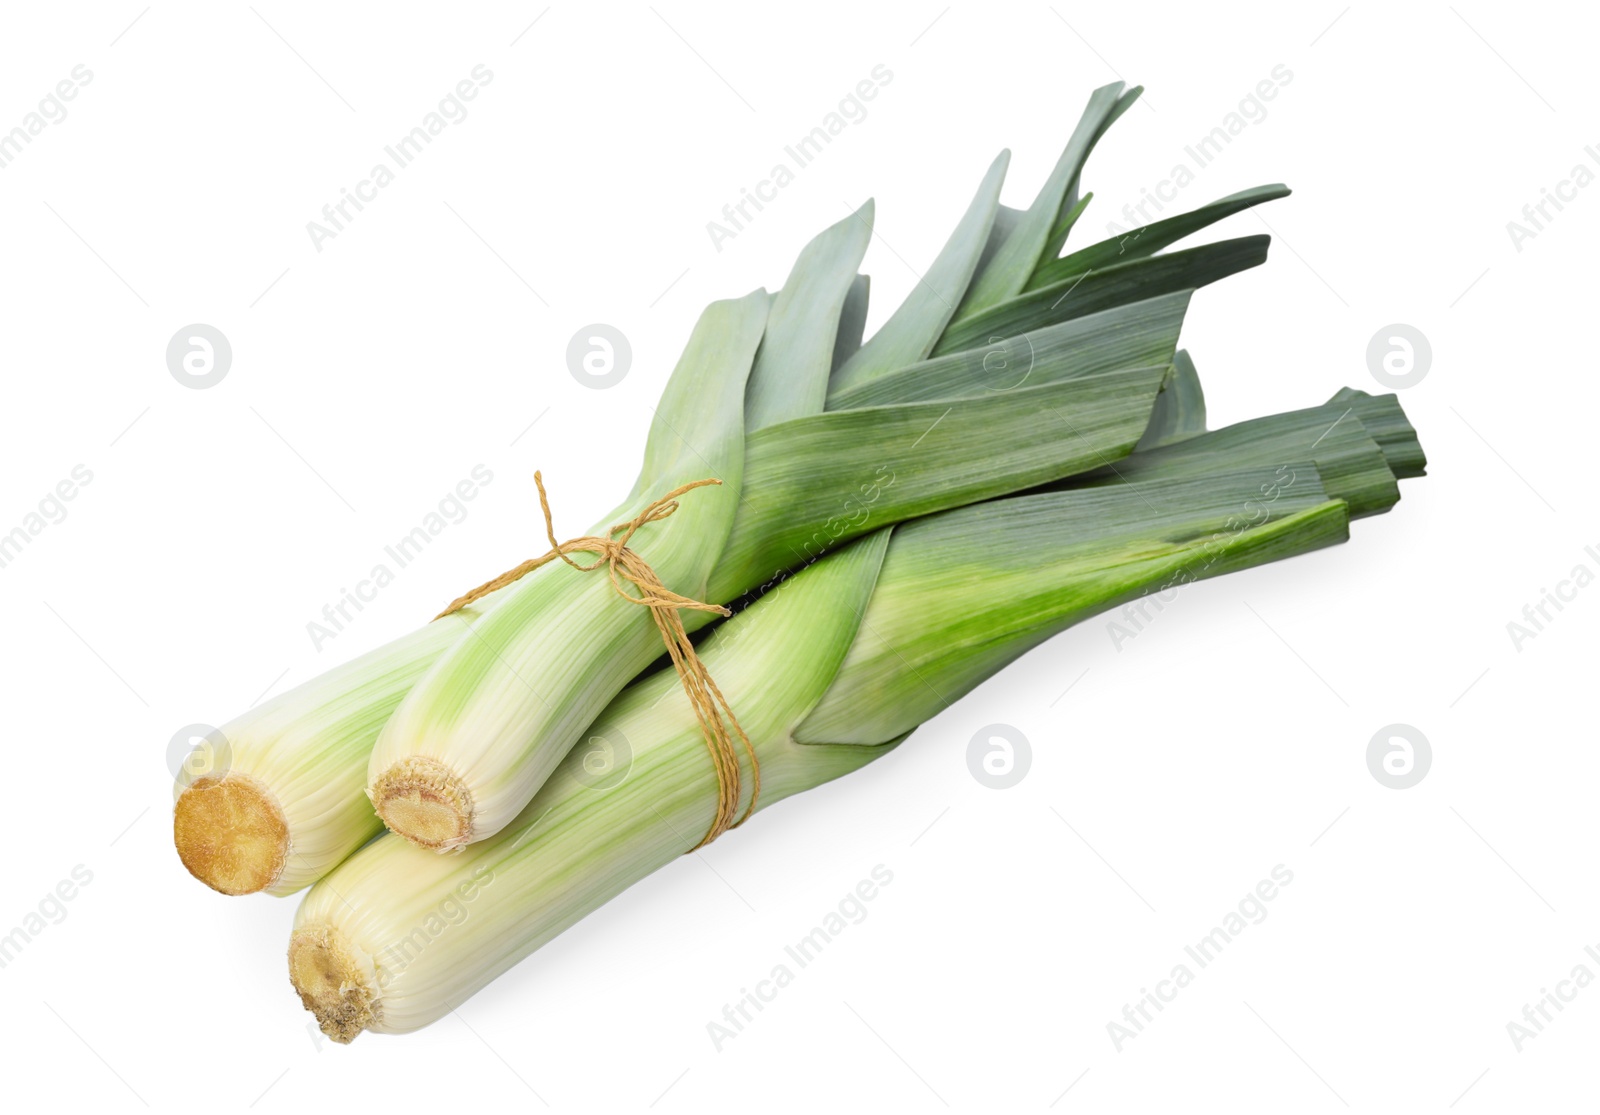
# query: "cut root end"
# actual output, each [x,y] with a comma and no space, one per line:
[231,834]
[424,801]
[336,982]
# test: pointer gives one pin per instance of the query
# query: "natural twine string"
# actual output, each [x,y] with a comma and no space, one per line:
[711,708]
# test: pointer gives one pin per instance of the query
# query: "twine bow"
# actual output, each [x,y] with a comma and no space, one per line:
[711,708]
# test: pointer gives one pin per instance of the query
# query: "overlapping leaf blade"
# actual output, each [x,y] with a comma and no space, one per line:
[1111,286]
[814,483]
[1138,335]
[1146,240]
[911,331]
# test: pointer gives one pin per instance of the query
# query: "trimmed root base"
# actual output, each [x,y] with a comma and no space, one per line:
[231,834]
[335,983]
[422,799]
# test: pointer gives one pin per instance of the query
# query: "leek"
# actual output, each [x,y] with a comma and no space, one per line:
[829,674]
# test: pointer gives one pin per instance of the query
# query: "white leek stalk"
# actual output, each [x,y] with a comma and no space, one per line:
[274,799]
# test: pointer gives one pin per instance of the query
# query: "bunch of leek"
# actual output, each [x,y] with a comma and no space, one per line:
[833,671]
[1020,446]
[817,438]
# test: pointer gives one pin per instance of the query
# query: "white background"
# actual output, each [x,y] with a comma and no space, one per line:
[429,337]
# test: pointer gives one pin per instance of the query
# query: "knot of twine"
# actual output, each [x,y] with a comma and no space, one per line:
[711,708]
